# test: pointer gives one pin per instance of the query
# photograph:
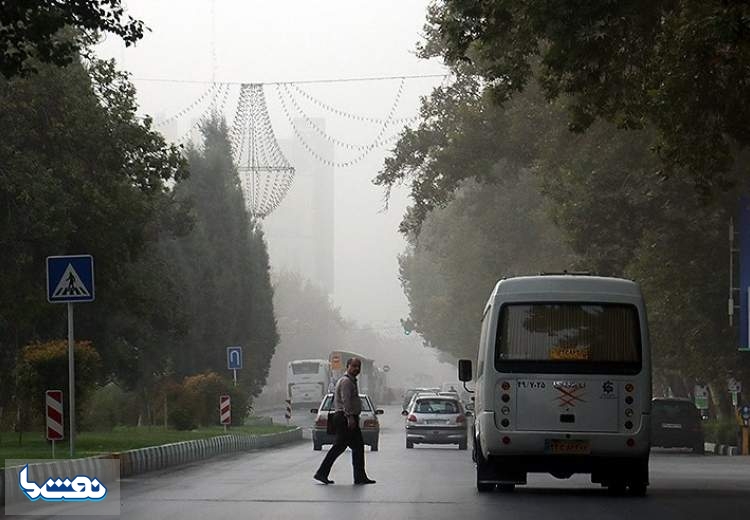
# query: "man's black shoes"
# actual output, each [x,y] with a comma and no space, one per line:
[364,481]
[322,480]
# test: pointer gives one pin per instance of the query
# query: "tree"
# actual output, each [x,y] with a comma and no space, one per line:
[79,172]
[310,326]
[600,188]
[221,268]
[484,234]
[38,31]
[676,66]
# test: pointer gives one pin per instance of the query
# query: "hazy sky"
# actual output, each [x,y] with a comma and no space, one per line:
[268,41]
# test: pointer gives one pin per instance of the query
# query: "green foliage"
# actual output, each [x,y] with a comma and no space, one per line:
[89,444]
[182,270]
[181,418]
[44,366]
[721,432]
[110,406]
[603,191]
[222,269]
[35,31]
[464,248]
[79,172]
[197,401]
[463,135]
[675,66]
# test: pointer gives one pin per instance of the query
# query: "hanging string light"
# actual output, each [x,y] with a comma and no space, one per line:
[379,141]
[212,89]
[208,110]
[265,174]
[355,147]
[344,113]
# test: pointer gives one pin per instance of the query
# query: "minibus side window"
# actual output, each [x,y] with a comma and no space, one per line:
[483,341]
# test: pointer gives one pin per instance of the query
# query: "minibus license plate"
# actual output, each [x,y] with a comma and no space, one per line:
[568,447]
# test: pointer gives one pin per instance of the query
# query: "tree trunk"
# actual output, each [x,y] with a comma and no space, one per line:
[720,400]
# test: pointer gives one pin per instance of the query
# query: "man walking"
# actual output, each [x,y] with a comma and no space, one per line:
[347,407]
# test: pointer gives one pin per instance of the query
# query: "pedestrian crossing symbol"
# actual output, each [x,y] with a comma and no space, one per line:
[70,279]
[70,285]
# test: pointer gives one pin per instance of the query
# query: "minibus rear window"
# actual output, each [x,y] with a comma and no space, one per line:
[568,337]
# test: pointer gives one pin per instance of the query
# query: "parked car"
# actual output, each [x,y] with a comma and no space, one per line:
[676,423]
[436,419]
[368,423]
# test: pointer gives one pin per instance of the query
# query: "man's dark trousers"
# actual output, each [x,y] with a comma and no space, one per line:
[345,437]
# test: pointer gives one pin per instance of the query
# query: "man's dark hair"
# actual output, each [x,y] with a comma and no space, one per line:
[352,360]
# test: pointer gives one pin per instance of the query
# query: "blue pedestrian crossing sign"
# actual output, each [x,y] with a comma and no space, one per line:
[70,279]
[234,358]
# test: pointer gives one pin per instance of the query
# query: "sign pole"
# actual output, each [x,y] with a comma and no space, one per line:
[71,380]
[53,448]
[235,376]
[70,279]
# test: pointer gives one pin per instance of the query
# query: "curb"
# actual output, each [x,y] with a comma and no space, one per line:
[64,467]
[135,462]
[143,460]
[721,449]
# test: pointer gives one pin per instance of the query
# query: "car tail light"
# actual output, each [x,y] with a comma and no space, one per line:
[370,423]
[321,421]
[412,418]
[460,419]
[506,440]
[630,442]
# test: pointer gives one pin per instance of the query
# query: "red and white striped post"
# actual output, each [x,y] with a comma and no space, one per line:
[54,411]
[225,411]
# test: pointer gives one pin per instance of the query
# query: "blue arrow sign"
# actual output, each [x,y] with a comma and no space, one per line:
[234,358]
[70,279]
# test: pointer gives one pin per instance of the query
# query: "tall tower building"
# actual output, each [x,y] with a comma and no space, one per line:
[300,231]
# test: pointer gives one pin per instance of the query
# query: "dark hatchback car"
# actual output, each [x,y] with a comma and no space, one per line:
[676,423]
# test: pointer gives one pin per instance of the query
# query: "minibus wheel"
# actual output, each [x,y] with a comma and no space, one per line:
[638,489]
[483,470]
[616,487]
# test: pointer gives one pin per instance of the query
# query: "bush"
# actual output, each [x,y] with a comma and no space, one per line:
[180,418]
[44,366]
[110,406]
[720,432]
[198,396]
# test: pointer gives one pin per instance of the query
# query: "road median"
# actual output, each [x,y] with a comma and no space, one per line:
[721,449]
[153,458]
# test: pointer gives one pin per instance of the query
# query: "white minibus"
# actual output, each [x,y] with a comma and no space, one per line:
[562,382]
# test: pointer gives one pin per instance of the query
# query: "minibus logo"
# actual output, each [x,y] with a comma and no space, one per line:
[570,392]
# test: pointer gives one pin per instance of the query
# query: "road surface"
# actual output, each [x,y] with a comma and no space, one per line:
[425,482]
